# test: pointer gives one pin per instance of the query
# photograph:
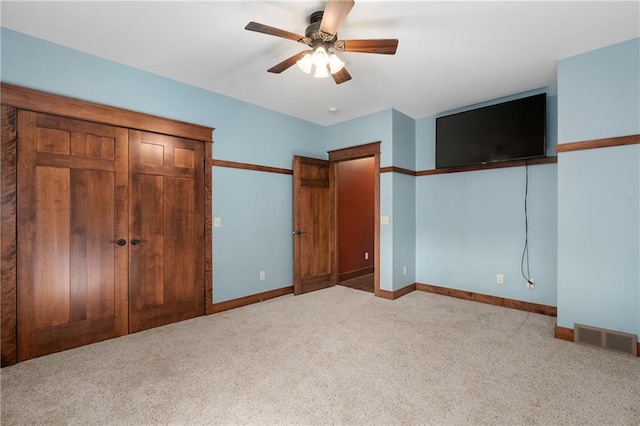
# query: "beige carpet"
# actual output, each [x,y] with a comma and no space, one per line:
[337,356]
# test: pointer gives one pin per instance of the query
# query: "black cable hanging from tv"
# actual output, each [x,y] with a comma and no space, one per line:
[525,250]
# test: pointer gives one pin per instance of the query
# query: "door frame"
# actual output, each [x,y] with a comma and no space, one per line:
[15,98]
[354,153]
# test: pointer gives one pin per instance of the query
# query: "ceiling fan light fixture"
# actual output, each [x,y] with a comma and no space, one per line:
[320,57]
[322,62]
[305,63]
[335,64]
[322,72]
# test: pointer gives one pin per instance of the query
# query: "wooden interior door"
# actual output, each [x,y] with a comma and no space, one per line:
[72,207]
[166,214]
[313,221]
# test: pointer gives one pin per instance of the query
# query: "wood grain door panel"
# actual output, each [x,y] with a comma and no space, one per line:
[72,202]
[166,271]
[313,200]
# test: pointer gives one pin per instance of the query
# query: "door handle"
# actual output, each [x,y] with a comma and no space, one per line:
[136,241]
[298,232]
[119,242]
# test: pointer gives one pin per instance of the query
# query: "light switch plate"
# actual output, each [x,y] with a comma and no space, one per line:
[216,222]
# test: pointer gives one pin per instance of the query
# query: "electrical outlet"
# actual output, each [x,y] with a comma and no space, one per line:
[500,278]
[531,283]
[263,275]
[366,255]
[404,270]
[384,220]
[216,222]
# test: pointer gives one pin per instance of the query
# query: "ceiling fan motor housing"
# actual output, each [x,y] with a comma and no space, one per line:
[313,30]
[316,16]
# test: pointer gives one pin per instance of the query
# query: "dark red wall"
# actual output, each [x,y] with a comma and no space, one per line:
[355,214]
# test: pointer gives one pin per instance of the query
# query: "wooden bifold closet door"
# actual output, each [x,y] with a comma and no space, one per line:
[110,232]
[72,205]
[166,205]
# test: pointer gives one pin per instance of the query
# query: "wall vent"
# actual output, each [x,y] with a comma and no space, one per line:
[608,339]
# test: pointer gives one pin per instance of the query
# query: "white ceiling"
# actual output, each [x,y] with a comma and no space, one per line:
[450,53]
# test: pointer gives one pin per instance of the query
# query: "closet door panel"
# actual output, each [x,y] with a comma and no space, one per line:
[166,269]
[180,229]
[147,272]
[93,262]
[72,206]
[52,246]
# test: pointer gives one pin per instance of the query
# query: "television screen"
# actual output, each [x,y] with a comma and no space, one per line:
[511,130]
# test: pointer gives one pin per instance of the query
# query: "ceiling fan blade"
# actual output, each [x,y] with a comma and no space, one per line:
[266,29]
[287,63]
[334,15]
[385,46]
[341,76]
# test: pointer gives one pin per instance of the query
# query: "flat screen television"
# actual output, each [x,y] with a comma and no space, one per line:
[513,130]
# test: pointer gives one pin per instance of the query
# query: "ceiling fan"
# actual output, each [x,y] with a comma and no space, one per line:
[322,37]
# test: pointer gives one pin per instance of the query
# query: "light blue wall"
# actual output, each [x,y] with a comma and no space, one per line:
[404,201]
[425,143]
[404,230]
[386,231]
[470,226]
[599,190]
[255,209]
[599,252]
[376,127]
[599,93]
[258,236]
[404,141]
[552,121]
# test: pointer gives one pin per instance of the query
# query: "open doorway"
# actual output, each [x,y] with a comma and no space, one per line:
[356,174]
[355,222]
